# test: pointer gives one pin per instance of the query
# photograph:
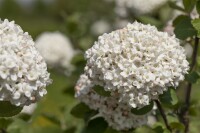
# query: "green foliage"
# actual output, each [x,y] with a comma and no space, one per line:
[192,77]
[80,110]
[169,98]
[5,122]
[189,5]
[198,6]
[160,128]
[174,123]
[100,90]
[173,5]
[196,25]
[97,125]
[8,110]
[143,110]
[74,18]
[83,111]
[183,27]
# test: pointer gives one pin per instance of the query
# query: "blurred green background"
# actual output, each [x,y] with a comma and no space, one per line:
[74,18]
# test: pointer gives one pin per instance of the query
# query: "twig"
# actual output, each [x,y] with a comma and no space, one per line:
[185,110]
[163,115]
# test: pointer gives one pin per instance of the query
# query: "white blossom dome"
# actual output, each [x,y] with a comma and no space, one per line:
[23,72]
[139,7]
[56,49]
[137,62]
[118,115]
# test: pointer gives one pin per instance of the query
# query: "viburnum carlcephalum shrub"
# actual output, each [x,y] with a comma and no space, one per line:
[138,63]
[127,70]
[23,71]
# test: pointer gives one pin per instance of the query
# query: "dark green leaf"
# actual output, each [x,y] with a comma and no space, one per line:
[183,28]
[83,111]
[189,5]
[143,110]
[52,118]
[178,19]
[177,125]
[193,111]
[98,125]
[100,90]
[169,97]
[192,77]
[110,130]
[198,6]
[150,20]
[175,6]
[79,110]
[8,110]
[160,128]
[196,25]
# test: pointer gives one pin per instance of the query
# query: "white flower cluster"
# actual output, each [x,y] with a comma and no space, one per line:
[138,63]
[138,7]
[118,115]
[23,72]
[56,49]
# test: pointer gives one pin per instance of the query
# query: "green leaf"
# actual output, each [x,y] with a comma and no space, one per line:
[173,5]
[160,128]
[196,25]
[189,5]
[192,77]
[52,118]
[169,97]
[81,110]
[193,111]
[8,110]
[143,110]
[4,123]
[98,125]
[174,122]
[198,6]
[184,28]
[150,20]
[110,130]
[177,125]
[100,90]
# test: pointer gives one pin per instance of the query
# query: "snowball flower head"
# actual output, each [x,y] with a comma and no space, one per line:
[139,7]
[56,49]
[23,72]
[118,115]
[138,63]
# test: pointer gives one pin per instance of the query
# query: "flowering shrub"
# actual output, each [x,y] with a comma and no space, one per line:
[23,71]
[141,75]
[138,63]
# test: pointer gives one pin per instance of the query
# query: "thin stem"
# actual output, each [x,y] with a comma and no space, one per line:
[184,117]
[163,115]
